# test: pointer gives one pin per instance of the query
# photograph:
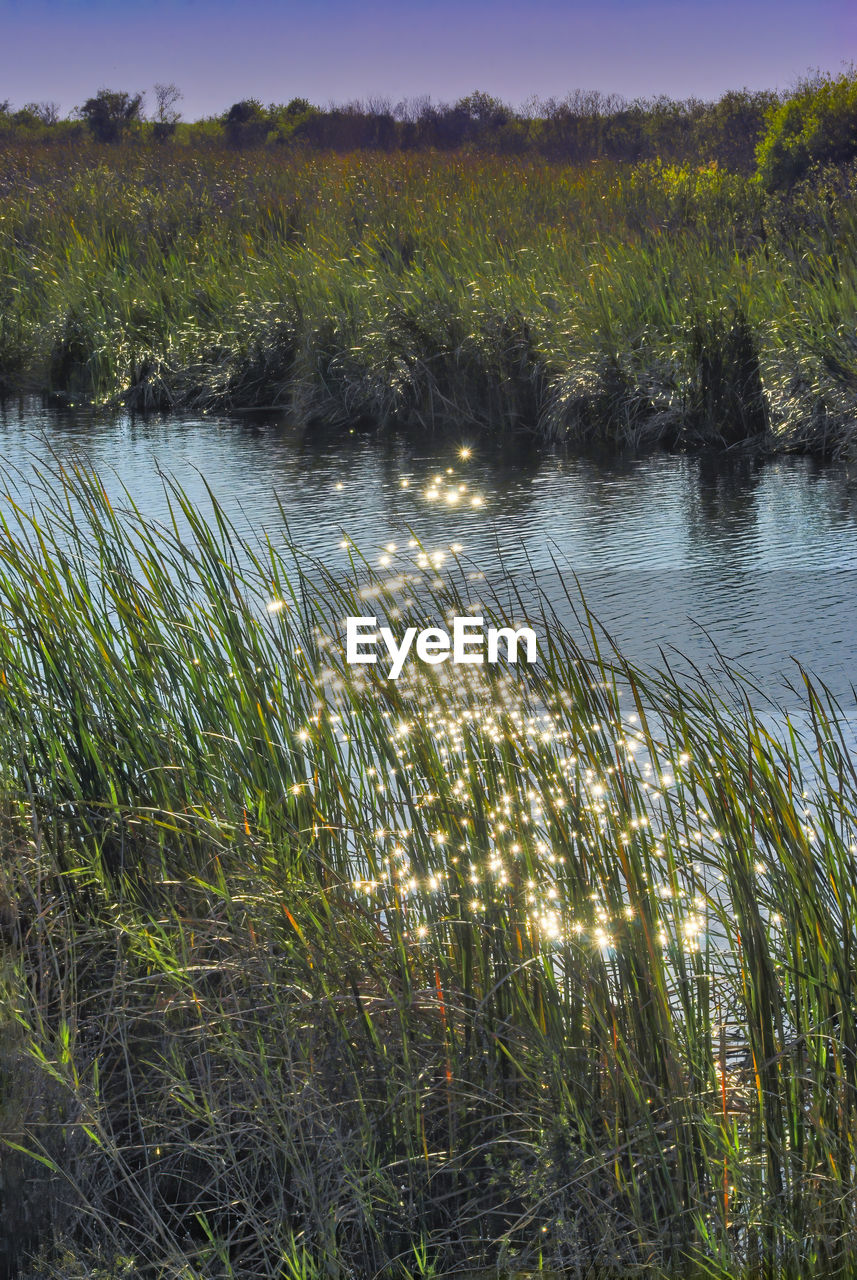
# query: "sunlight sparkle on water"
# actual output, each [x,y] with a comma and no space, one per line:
[514,846]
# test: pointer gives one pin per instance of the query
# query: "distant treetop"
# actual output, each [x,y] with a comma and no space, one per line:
[781,137]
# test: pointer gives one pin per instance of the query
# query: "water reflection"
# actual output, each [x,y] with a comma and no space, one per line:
[673,553]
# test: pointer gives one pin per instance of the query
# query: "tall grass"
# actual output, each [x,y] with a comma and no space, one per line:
[615,303]
[307,974]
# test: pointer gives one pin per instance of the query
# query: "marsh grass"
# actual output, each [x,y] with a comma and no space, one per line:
[647,304]
[307,974]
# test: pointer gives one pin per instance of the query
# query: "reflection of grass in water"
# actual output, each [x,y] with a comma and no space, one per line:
[626,304]
[369,977]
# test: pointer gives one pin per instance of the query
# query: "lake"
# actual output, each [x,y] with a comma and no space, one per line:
[684,553]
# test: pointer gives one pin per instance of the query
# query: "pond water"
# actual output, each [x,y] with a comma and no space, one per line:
[687,554]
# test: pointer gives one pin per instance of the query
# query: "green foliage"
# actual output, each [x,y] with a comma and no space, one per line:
[583,127]
[588,303]
[111,113]
[731,130]
[817,125]
[246,123]
[485,111]
[326,975]
[31,122]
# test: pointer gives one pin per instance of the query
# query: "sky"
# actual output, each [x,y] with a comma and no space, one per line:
[219,51]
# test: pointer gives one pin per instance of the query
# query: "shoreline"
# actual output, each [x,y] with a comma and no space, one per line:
[625,305]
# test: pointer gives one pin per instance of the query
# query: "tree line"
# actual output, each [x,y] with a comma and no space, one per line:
[780,136]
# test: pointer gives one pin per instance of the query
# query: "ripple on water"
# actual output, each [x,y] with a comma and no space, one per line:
[672,552]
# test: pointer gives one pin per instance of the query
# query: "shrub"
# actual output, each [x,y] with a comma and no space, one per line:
[246,123]
[817,126]
[110,113]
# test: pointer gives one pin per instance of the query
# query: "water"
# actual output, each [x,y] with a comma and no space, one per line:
[756,559]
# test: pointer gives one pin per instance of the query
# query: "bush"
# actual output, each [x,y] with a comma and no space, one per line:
[816,126]
[246,123]
[110,113]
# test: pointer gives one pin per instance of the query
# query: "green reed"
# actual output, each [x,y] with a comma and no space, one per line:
[307,972]
[615,304]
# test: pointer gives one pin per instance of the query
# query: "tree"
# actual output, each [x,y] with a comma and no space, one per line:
[729,130]
[411,110]
[483,110]
[817,125]
[166,114]
[246,123]
[299,107]
[43,112]
[110,113]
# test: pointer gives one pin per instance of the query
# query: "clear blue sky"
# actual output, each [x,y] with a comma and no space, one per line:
[218,51]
